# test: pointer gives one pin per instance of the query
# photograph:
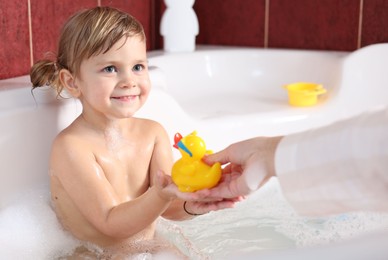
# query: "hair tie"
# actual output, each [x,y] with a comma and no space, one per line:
[54,74]
[55,66]
[192,214]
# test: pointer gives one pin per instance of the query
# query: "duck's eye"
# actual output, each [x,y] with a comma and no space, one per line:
[110,69]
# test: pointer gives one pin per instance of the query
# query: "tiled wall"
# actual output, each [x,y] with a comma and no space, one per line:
[30,28]
[304,24]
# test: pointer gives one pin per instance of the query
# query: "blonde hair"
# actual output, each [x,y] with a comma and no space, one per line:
[87,33]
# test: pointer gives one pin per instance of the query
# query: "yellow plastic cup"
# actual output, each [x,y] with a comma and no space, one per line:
[303,94]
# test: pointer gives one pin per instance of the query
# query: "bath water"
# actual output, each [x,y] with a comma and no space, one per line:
[264,222]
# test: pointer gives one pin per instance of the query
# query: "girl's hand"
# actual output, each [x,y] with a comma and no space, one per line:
[197,203]
[195,208]
[169,190]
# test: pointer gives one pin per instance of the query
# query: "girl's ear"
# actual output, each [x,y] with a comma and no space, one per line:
[68,81]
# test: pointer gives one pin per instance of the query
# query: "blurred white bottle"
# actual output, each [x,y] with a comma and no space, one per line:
[179,26]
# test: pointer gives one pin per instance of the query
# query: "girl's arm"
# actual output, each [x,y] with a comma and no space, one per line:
[85,182]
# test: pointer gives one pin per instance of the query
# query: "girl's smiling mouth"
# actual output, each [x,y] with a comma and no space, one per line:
[128,98]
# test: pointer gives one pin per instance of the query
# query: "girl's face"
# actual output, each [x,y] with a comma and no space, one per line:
[115,84]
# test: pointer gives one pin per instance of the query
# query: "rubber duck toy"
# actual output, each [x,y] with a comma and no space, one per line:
[189,173]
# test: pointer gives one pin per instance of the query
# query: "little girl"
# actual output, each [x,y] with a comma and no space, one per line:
[107,184]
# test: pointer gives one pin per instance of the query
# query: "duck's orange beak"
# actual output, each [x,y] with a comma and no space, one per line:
[177,138]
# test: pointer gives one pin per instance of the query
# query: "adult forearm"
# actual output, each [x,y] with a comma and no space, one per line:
[342,167]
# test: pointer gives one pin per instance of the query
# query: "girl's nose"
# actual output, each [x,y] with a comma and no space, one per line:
[128,81]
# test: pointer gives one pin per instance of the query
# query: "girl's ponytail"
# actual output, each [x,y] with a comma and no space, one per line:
[46,73]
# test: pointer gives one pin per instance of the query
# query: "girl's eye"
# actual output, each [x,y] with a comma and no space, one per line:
[138,67]
[110,69]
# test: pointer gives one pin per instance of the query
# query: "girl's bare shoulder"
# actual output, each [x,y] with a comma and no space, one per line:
[153,129]
[72,137]
[151,125]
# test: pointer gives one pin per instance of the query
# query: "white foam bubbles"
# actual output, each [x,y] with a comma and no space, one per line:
[30,229]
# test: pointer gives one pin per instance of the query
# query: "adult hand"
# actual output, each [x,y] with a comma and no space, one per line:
[250,164]
[195,204]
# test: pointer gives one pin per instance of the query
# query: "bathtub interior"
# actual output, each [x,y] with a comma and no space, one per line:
[223,77]
[233,91]
[239,91]
[30,121]
[209,82]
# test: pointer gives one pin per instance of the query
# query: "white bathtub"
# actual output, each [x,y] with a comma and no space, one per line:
[226,94]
